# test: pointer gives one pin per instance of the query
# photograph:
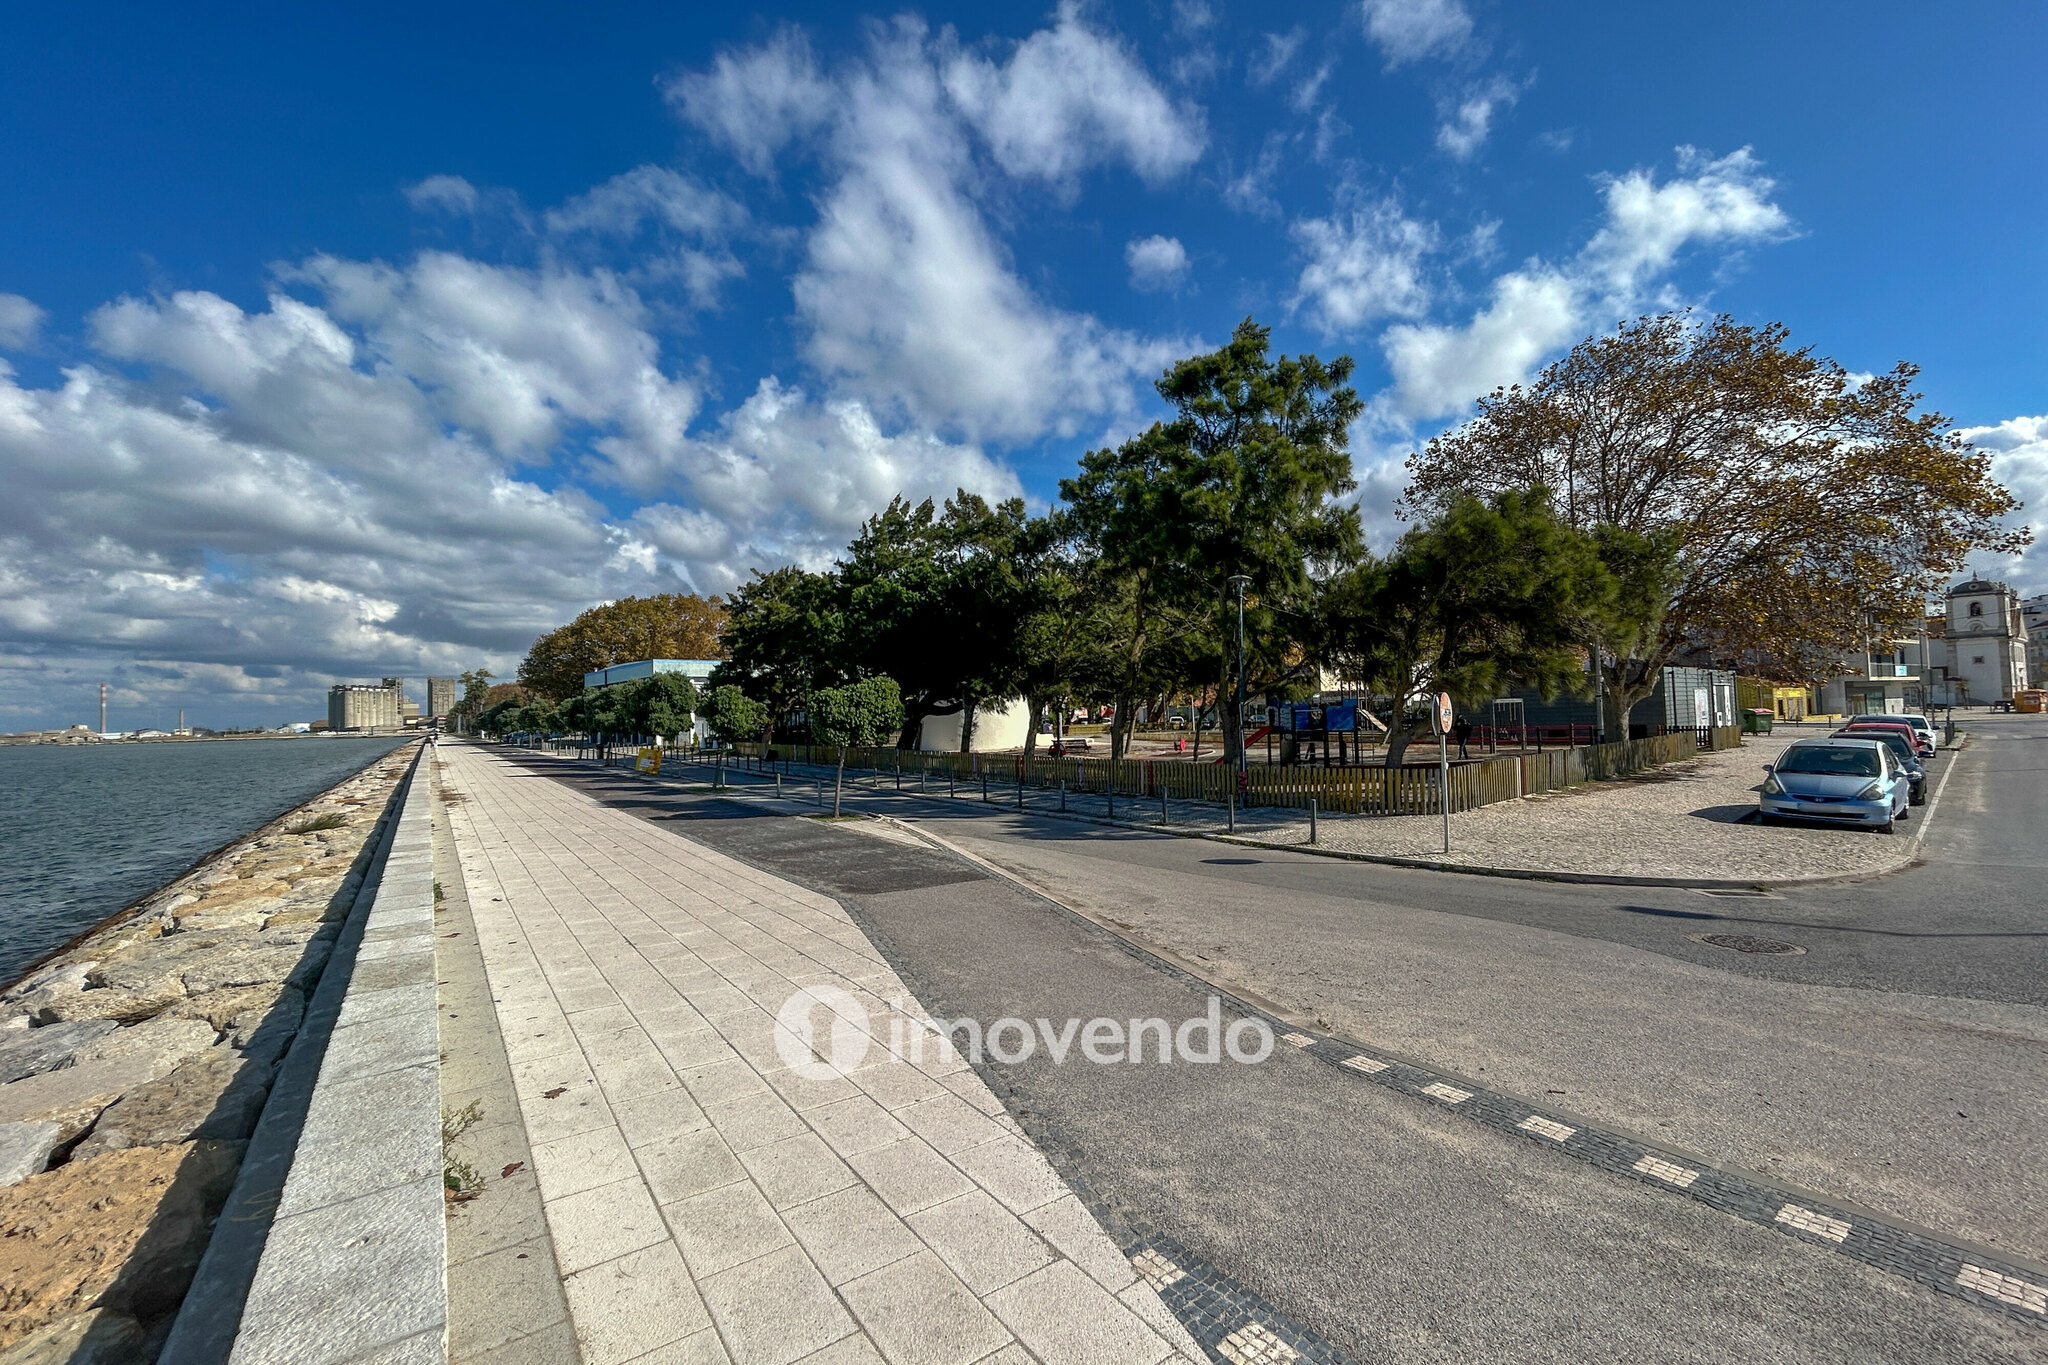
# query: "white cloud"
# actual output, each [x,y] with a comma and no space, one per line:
[1158,264]
[1541,307]
[1070,98]
[20,321]
[1262,67]
[2019,460]
[443,194]
[1468,121]
[1409,30]
[758,100]
[1251,190]
[692,225]
[907,300]
[1362,266]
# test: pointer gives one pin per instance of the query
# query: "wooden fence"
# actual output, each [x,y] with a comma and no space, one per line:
[1356,791]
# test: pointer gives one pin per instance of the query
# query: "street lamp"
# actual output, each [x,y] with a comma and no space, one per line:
[1240,581]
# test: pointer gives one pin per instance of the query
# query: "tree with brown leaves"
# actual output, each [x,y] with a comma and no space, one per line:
[666,626]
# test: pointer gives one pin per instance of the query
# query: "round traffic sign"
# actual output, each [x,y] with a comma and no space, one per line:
[1443,711]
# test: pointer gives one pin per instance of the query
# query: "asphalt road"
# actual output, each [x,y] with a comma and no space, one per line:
[1401,1231]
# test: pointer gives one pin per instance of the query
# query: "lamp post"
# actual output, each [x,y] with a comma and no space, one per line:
[1239,581]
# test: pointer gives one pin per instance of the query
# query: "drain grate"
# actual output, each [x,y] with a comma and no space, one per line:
[1746,943]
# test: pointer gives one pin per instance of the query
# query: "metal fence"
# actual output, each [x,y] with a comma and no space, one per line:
[1356,791]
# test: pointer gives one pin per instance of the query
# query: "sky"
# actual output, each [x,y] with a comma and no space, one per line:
[345,341]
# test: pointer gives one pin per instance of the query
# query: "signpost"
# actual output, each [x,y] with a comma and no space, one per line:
[1441,714]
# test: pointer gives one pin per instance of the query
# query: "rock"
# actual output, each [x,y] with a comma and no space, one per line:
[103,1072]
[48,1049]
[296,964]
[221,1008]
[121,1232]
[122,1006]
[216,1096]
[263,1035]
[25,1149]
[95,1338]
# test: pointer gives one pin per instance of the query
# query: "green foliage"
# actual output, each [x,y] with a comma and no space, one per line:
[1486,595]
[862,714]
[734,716]
[782,639]
[664,705]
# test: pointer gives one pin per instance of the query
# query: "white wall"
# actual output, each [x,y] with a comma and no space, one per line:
[997,725]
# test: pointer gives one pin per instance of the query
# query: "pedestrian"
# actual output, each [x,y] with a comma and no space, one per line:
[1463,730]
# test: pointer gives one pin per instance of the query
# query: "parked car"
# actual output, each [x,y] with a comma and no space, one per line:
[1928,733]
[1904,752]
[1899,725]
[1836,782]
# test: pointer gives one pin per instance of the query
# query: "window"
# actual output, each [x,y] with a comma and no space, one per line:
[1977,659]
[1977,609]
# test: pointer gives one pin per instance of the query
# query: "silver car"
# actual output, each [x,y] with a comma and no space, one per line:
[1835,782]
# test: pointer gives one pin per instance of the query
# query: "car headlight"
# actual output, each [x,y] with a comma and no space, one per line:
[1871,792]
[1773,787]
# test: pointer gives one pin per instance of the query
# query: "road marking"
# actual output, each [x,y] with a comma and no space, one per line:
[1665,1171]
[1449,1094]
[1156,1270]
[1819,1224]
[1368,1065]
[1255,1344]
[1549,1128]
[2009,1288]
[1298,1039]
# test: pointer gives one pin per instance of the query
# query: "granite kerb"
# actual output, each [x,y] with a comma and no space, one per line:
[332,1243]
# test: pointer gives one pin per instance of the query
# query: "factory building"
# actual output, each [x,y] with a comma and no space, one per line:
[366,706]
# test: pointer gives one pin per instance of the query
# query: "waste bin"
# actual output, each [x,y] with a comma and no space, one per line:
[1756,720]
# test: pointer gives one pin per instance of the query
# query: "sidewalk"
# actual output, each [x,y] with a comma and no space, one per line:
[705,1202]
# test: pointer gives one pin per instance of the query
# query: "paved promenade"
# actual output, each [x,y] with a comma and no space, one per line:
[704,1201]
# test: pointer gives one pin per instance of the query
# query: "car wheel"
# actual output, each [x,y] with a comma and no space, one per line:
[1885,828]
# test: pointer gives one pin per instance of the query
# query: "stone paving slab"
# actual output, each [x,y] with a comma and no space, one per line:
[707,1202]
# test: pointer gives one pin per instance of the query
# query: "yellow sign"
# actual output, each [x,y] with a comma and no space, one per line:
[648,762]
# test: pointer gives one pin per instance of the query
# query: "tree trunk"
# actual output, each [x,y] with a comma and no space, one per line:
[1032,707]
[838,777]
[1399,729]
[1623,685]
[967,710]
[1227,719]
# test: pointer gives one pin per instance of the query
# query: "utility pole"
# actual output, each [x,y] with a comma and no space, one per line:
[1239,581]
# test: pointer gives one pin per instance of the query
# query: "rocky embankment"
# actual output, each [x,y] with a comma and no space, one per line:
[133,1068]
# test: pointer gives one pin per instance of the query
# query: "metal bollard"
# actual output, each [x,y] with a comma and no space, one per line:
[1311,819]
[984,787]
[1063,796]
[1162,806]
[821,791]
[778,786]
[1109,795]
[1020,793]
[949,782]
[1230,813]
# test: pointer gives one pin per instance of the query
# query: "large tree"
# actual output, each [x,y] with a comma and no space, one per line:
[1484,595]
[665,626]
[1245,479]
[1811,512]
[782,641]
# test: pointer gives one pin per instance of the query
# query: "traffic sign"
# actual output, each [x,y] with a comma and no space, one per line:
[1443,712]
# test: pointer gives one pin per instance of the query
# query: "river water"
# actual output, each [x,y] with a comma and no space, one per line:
[86,829]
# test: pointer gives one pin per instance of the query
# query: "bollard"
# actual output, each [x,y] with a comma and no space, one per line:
[1020,793]
[821,791]
[1063,796]
[778,786]
[1230,813]
[984,787]
[1109,795]
[1162,806]
[1311,819]
[949,782]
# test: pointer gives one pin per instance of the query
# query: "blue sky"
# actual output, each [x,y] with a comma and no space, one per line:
[346,343]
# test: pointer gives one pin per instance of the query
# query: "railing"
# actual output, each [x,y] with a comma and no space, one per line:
[1355,791]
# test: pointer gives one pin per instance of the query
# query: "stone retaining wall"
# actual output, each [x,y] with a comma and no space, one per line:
[134,1066]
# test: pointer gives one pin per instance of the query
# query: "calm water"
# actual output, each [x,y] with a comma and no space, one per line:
[86,829]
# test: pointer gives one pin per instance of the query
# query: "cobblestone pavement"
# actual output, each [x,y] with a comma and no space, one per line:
[1685,821]
[705,1201]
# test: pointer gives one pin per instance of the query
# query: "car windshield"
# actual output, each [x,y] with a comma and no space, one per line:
[1838,760]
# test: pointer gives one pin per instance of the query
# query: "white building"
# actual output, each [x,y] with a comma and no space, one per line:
[997,725]
[1981,655]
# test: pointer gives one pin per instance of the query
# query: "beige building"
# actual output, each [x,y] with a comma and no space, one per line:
[1981,656]
[365,706]
[440,697]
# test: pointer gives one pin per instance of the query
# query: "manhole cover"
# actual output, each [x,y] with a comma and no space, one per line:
[1746,943]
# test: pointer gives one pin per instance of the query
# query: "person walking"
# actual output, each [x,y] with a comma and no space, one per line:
[1463,731]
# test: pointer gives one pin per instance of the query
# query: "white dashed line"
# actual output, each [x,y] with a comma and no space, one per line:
[1156,1270]
[1368,1065]
[1298,1039]
[1449,1094]
[1665,1171]
[1819,1224]
[2014,1291]
[1255,1344]
[1549,1128]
